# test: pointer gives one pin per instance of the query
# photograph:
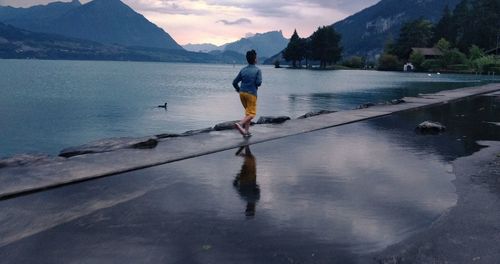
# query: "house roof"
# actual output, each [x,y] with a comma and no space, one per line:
[428,51]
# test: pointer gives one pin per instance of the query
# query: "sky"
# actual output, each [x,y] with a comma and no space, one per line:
[223,21]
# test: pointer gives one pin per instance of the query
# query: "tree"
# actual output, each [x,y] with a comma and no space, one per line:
[389,62]
[325,46]
[474,22]
[475,53]
[462,24]
[296,49]
[486,23]
[452,57]
[480,64]
[416,33]
[417,59]
[443,45]
[445,27]
[354,62]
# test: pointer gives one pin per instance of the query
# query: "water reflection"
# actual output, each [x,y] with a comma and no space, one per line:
[245,181]
[349,99]
[341,193]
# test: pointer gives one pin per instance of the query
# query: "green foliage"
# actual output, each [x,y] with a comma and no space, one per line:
[325,46]
[417,59]
[475,53]
[453,56]
[481,64]
[416,33]
[296,49]
[431,65]
[443,45]
[389,62]
[474,22]
[354,62]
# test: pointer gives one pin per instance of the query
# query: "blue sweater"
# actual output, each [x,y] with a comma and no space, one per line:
[250,78]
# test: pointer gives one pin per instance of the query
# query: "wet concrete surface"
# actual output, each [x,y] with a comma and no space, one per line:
[339,195]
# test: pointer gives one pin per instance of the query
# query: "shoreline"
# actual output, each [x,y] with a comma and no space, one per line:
[46,172]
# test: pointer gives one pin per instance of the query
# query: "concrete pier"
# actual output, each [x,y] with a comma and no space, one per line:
[20,180]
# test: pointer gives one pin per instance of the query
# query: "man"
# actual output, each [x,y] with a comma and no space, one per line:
[250,78]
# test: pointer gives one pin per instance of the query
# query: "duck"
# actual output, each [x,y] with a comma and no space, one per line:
[163,106]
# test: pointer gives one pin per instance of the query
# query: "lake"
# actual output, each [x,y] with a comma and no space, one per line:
[46,106]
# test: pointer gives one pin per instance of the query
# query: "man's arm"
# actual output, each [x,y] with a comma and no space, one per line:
[258,80]
[236,81]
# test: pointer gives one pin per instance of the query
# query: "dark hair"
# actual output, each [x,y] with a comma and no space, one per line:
[251,56]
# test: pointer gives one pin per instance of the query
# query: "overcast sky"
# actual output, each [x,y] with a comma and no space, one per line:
[223,21]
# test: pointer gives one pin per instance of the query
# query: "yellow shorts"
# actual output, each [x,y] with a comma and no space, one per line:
[249,102]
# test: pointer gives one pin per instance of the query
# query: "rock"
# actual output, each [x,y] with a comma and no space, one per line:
[167,135]
[363,106]
[397,101]
[107,145]
[430,127]
[25,159]
[272,119]
[148,144]
[310,114]
[225,125]
[197,131]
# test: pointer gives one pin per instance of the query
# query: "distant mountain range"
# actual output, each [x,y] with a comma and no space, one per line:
[18,43]
[205,47]
[104,21]
[366,32]
[266,44]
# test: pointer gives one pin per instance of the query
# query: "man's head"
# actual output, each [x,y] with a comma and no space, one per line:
[251,57]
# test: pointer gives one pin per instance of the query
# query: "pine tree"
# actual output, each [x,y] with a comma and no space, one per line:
[416,33]
[444,28]
[296,49]
[325,46]
[463,24]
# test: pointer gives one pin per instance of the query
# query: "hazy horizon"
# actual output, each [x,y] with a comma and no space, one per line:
[222,21]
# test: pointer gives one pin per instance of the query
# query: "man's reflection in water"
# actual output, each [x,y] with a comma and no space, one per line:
[246,180]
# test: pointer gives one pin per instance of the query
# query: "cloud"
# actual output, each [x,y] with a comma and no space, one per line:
[166,7]
[288,8]
[236,22]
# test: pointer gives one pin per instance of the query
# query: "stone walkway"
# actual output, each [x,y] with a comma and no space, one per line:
[21,180]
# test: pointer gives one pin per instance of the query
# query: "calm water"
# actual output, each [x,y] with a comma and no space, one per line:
[49,105]
[336,195]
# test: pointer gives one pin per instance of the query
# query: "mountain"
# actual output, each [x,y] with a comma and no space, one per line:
[18,43]
[38,17]
[105,21]
[205,47]
[366,32]
[266,44]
